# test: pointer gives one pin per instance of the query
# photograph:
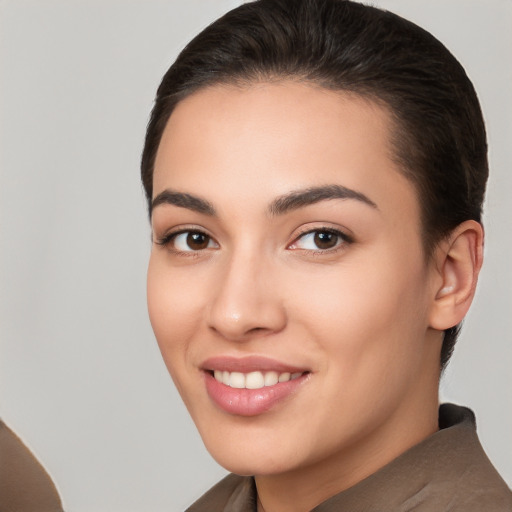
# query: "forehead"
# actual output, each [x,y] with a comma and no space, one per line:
[275,137]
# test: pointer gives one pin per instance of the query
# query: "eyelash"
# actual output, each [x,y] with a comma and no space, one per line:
[343,239]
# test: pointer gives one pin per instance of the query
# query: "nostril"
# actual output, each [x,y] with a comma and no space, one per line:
[256,329]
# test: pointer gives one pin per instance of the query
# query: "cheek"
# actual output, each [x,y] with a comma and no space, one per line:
[368,317]
[367,327]
[174,305]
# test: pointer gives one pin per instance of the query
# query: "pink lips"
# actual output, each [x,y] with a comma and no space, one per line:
[250,402]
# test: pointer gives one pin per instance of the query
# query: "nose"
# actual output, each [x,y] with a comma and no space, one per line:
[246,300]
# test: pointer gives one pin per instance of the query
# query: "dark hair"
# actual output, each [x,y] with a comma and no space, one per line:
[439,134]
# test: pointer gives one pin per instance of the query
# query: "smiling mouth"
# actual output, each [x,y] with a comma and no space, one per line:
[255,379]
[251,385]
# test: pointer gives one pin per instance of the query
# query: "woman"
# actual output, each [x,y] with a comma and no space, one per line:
[315,172]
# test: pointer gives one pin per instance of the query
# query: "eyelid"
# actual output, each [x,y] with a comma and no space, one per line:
[178,229]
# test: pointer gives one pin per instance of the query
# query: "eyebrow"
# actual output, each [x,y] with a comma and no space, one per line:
[279,206]
[183,200]
[300,198]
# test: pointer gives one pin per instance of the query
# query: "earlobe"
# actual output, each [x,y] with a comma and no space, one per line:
[458,262]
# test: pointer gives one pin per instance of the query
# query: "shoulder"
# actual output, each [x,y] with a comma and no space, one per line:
[477,486]
[232,493]
[472,482]
[25,486]
[460,476]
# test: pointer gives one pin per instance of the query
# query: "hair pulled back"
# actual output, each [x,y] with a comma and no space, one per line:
[439,138]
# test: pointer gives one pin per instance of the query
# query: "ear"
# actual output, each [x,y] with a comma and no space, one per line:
[458,260]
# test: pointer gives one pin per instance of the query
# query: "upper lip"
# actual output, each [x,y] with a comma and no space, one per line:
[248,364]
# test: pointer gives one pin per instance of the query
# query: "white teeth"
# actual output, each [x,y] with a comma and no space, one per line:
[271,378]
[253,380]
[284,377]
[237,380]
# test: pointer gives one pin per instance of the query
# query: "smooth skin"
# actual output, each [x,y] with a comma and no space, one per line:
[340,287]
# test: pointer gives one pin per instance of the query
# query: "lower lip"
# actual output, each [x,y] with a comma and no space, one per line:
[250,402]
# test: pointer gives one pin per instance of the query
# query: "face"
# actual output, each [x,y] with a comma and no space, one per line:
[287,285]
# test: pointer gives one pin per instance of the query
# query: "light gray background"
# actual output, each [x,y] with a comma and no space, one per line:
[81,378]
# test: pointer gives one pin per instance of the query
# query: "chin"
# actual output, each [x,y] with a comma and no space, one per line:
[247,453]
[245,464]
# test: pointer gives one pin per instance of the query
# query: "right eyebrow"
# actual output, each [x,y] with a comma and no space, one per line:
[301,198]
[183,200]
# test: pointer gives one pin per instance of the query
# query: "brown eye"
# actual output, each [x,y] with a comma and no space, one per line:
[190,241]
[320,240]
[325,239]
[197,241]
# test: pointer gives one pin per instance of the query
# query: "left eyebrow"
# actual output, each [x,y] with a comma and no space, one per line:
[300,198]
[182,200]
